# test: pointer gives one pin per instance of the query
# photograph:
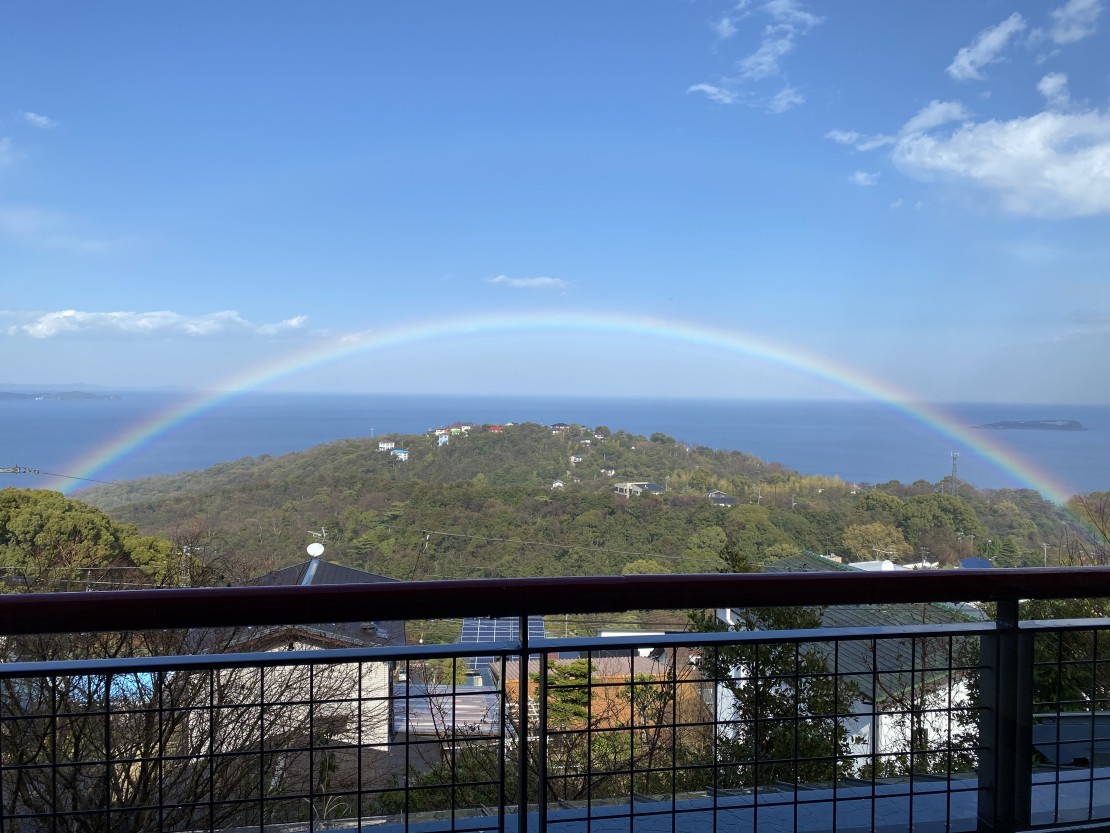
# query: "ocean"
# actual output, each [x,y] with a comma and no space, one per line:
[858,441]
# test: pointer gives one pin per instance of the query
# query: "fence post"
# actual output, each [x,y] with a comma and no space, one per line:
[1005,724]
[541,763]
[522,729]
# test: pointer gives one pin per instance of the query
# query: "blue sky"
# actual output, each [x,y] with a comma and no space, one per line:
[919,192]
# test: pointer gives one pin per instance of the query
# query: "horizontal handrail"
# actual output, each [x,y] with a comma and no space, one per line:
[130,610]
[510,649]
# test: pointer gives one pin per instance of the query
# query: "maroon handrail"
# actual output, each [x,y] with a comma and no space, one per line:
[124,610]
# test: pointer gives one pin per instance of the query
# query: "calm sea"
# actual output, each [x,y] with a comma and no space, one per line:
[859,441]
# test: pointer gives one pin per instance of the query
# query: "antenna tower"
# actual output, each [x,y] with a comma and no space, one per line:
[955,482]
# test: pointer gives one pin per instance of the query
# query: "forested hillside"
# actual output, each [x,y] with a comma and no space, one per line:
[487,504]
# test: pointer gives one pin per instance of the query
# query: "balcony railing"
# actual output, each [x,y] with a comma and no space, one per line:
[154,710]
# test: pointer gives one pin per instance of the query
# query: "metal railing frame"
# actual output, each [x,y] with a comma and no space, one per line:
[1006,644]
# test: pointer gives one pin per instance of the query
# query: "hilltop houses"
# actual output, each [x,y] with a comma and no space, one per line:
[638,488]
[719,498]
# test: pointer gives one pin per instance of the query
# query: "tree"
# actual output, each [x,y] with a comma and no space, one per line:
[922,514]
[1091,545]
[782,716]
[185,749]
[1071,668]
[702,550]
[875,541]
[49,542]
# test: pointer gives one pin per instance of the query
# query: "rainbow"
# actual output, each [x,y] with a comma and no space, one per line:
[700,335]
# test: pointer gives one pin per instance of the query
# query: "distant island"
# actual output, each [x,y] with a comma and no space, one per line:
[56,394]
[1036,425]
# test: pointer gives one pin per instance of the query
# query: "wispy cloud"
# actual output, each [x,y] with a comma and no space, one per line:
[718,94]
[725,28]
[985,49]
[934,114]
[155,324]
[864,178]
[40,121]
[788,20]
[529,283]
[1054,88]
[860,141]
[778,42]
[1074,21]
[785,99]
[792,12]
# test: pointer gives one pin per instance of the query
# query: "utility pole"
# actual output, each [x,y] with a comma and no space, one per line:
[1045,554]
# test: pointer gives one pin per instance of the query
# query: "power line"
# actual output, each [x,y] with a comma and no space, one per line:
[26,470]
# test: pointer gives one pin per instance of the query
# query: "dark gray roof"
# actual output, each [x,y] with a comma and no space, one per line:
[804,562]
[340,634]
[316,572]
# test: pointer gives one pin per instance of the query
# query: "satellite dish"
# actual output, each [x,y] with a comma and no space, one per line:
[315,549]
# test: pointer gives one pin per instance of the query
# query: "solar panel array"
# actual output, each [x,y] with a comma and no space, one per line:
[486,629]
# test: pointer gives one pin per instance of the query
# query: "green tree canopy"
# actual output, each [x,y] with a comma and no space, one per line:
[50,542]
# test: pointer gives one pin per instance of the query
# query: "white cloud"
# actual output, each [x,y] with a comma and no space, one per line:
[934,114]
[1075,20]
[985,49]
[860,141]
[897,203]
[725,28]
[864,178]
[529,283]
[1050,164]
[718,94]
[39,121]
[777,43]
[161,323]
[785,99]
[1054,88]
[791,12]
[788,20]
